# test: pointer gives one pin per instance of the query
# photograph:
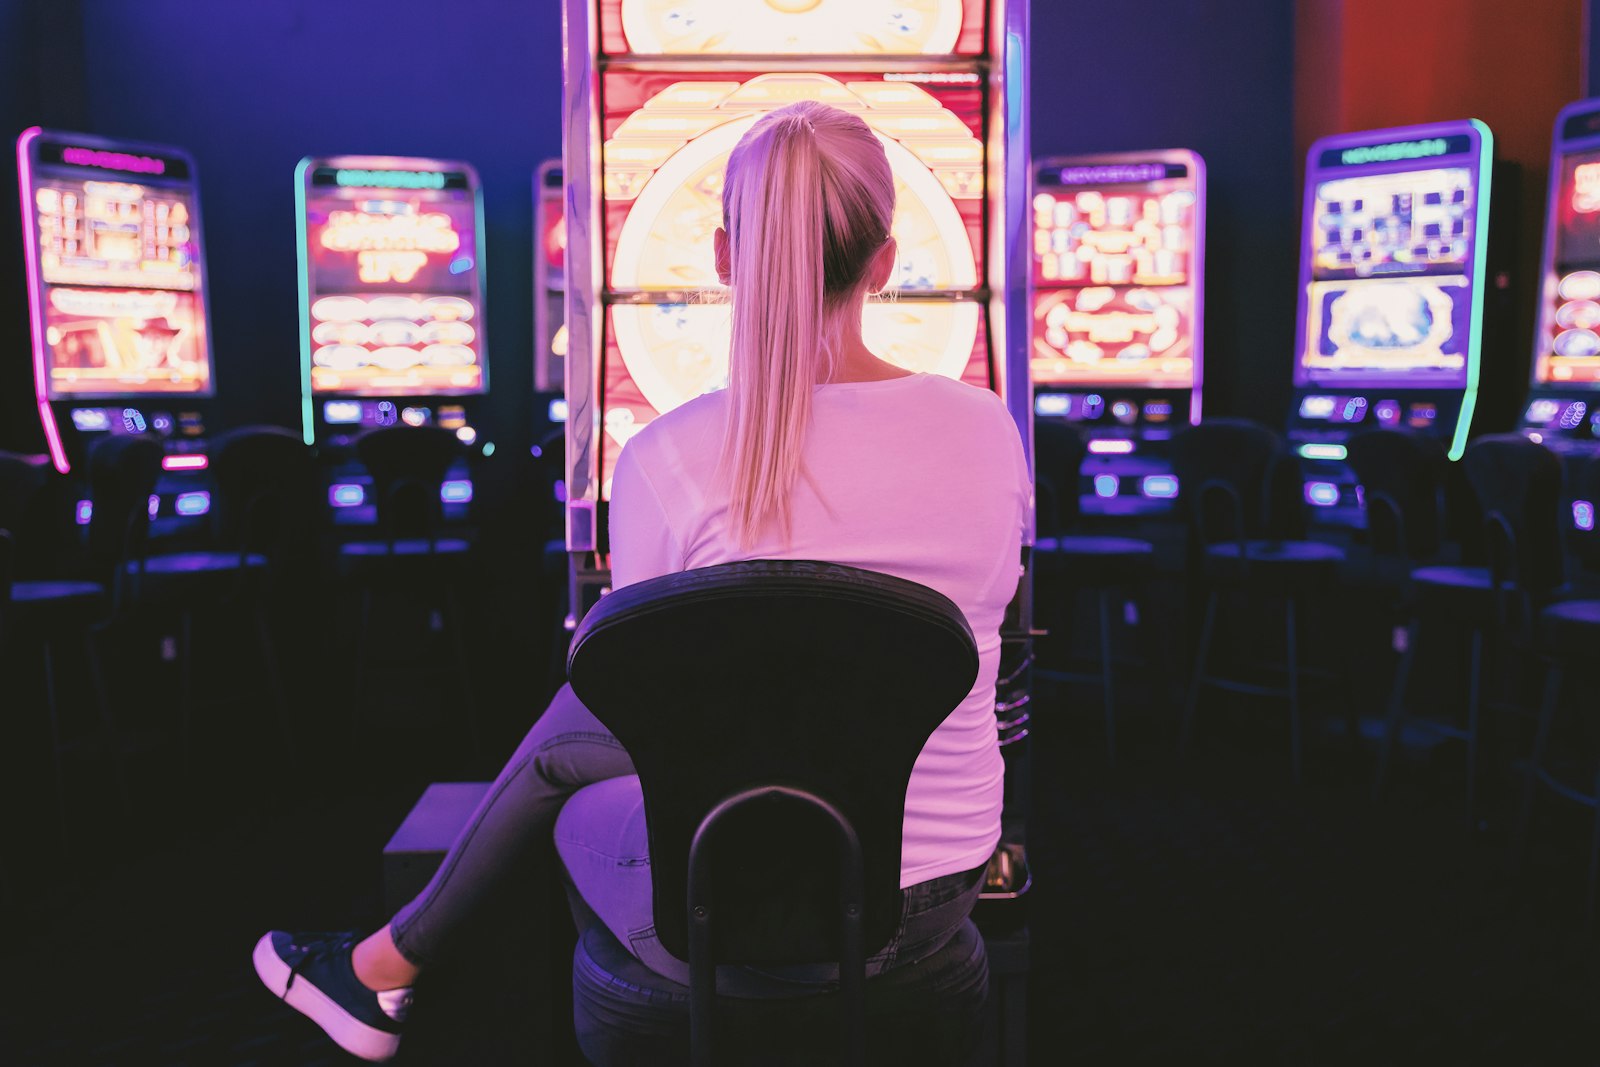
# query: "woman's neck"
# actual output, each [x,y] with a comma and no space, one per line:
[858,363]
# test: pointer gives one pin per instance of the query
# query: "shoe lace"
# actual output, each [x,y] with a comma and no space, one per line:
[314,945]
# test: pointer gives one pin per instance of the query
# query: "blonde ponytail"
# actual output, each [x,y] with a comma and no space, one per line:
[807,200]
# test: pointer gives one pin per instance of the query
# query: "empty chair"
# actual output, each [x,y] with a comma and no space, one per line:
[1516,485]
[773,710]
[1069,563]
[1402,477]
[1240,492]
[1569,635]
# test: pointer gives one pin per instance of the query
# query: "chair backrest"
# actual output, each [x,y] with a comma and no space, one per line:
[7,557]
[123,471]
[1585,485]
[266,492]
[408,465]
[1402,478]
[22,511]
[1058,450]
[1236,480]
[1517,484]
[792,673]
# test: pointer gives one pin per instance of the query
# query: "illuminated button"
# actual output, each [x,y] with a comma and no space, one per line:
[153,506]
[558,410]
[191,504]
[346,496]
[1117,446]
[456,491]
[414,416]
[1323,451]
[1322,494]
[1157,411]
[1124,411]
[1052,404]
[1583,515]
[1355,409]
[341,412]
[91,420]
[1094,405]
[133,420]
[1159,486]
[1106,485]
[1572,416]
[84,512]
[386,414]
[466,434]
[1316,407]
[1387,412]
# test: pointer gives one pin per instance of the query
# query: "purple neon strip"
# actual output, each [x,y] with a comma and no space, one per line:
[30,255]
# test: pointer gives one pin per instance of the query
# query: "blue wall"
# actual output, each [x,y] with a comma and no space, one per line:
[250,88]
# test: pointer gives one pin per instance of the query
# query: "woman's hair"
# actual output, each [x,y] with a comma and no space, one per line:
[807,202]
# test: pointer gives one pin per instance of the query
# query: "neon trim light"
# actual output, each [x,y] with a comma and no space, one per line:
[1480,264]
[30,254]
[308,423]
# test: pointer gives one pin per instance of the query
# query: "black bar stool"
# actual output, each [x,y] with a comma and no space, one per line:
[774,710]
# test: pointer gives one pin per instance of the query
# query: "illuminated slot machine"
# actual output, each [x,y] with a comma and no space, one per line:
[1118,280]
[549,295]
[391,311]
[1392,283]
[117,302]
[1564,402]
[658,92]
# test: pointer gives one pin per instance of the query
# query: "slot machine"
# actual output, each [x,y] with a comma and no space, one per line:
[549,297]
[1563,408]
[391,311]
[117,291]
[1393,269]
[1117,341]
[657,95]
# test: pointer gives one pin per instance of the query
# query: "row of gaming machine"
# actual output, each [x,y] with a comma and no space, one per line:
[1392,286]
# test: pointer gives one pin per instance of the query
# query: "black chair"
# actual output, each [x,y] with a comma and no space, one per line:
[1517,485]
[1402,475]
[413,552]
[48,612]
[774,710]
[1239,489]
[1569,635]
[1071,563]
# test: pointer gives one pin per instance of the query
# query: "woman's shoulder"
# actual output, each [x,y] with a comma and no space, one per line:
[683,430]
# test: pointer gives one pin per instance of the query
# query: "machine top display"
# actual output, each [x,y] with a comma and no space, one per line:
[1567,340]
[390,277]
[1392,257]
[791,27]
[115,268]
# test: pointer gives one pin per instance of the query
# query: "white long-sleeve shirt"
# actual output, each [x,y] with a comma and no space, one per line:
[919,477]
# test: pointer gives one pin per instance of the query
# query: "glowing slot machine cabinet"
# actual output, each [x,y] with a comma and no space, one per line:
[391,308]
[658,92]
[1392,281]
[1117,339]
[117,303]
[1564,402]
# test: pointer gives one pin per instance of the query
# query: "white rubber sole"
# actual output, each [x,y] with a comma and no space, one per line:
[350,1034]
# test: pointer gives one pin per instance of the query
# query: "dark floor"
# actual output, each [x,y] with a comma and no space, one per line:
[1195,911]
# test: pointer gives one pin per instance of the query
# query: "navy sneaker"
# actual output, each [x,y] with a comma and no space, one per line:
[313,975]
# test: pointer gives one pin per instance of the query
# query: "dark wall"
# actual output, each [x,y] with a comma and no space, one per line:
[1217,78]
[251,88]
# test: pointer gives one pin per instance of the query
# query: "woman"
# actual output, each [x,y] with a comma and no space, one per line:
[817,449]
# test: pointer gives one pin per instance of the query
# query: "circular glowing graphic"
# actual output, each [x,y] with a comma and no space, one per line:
[1579,314]
[675,352]
[768,27]
[1581,285]
[1579,343]
[665,243]
[1391,317]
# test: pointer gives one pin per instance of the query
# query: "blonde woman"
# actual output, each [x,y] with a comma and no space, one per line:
[818,449]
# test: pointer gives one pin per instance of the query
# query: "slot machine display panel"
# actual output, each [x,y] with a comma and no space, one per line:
[667,137]
[549,278]
[1392,279]
[1117,338]
[117,297]
[1563,409]
[391,310]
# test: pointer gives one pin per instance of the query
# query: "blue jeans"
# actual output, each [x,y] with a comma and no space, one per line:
[600,838]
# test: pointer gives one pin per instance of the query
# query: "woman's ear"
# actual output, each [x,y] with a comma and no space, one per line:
[719,241]
[882,266]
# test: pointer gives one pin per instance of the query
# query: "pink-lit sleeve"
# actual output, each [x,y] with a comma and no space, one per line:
[643,544]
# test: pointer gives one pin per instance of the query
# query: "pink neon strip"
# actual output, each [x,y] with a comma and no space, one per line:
[1116,447]
[30,254]
[193,461]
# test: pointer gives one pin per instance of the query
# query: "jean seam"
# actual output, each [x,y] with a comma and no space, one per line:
[398,931]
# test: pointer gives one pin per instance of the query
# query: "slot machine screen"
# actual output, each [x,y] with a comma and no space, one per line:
[1116,262]
[1569,341]
[117,270]
[391,278]
[1391,293]
[667,138]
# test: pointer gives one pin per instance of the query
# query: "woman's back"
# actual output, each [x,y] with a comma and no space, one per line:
[920,477]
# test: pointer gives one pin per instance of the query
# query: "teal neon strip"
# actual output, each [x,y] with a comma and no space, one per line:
[482,267]
[308,428]
[390,179]
[1323,451]
[1480,267]
[1388,153]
